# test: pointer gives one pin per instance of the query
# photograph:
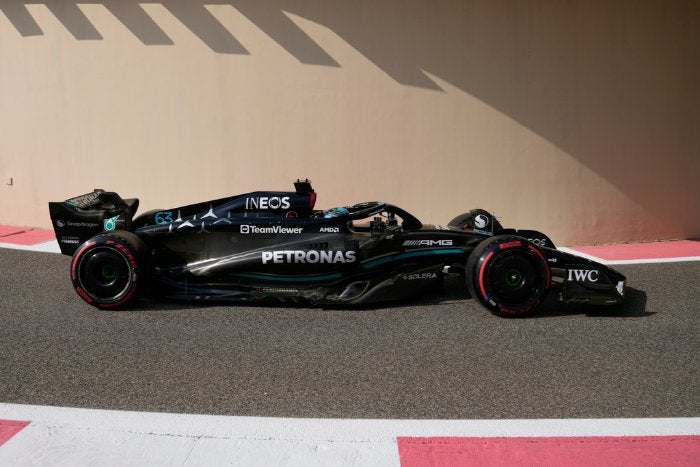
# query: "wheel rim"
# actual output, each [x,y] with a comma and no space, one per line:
[104,274]
[514,279]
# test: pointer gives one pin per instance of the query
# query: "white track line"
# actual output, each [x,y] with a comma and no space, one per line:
[681,259]
[46,247]
[70,436]
[628,261]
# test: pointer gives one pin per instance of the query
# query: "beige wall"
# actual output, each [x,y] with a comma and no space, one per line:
[579,118]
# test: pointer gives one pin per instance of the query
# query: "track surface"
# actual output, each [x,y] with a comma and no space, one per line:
[442,358]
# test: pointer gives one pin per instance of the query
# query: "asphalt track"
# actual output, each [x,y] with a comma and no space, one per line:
[441,358]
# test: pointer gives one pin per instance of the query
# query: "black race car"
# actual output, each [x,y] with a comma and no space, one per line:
[275,245]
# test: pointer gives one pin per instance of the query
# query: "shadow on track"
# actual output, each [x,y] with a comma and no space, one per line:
[633,307]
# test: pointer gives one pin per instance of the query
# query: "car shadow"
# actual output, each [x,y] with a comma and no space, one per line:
[634,306]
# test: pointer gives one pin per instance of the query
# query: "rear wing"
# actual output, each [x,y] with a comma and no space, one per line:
[77,219]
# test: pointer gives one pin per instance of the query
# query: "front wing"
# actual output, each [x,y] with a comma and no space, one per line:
[580,280]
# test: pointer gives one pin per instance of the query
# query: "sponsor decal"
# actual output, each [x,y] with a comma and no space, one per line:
[125,251]
[110,224]
[329,229]
[419,243]
[274,229]
[84,200]
[81,224]
[277,290]
[538,241]
[60,224]
[583,275]
[70,240]
[419,276]
[308,257]
[164,217]
[481,221]
[441,227]
[210,213]
[267,203]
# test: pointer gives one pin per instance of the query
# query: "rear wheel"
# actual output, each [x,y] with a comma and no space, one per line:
[108,270]
[508,275]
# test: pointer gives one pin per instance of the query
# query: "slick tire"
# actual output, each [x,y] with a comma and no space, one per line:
[108,271]
[508,275]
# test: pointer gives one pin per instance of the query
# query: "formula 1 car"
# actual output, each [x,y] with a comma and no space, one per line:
[275,245]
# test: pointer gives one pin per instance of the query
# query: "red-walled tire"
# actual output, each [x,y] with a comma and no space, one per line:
[508,275]
[108,270]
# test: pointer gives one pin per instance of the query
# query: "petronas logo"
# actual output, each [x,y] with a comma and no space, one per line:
[110,224]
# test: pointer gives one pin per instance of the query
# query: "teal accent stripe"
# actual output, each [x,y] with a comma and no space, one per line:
[410,254]
[266,277]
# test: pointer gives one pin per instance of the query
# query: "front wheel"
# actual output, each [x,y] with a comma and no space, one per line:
[508,275]
[108,270]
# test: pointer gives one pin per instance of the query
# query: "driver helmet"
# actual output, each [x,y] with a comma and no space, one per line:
[335,212]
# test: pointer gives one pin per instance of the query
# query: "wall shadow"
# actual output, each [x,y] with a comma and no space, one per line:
[141,25]
[75,21]
[17,13]
[204,25]
[277,25]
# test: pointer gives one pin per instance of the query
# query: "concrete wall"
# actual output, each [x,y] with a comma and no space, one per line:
[579,118]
